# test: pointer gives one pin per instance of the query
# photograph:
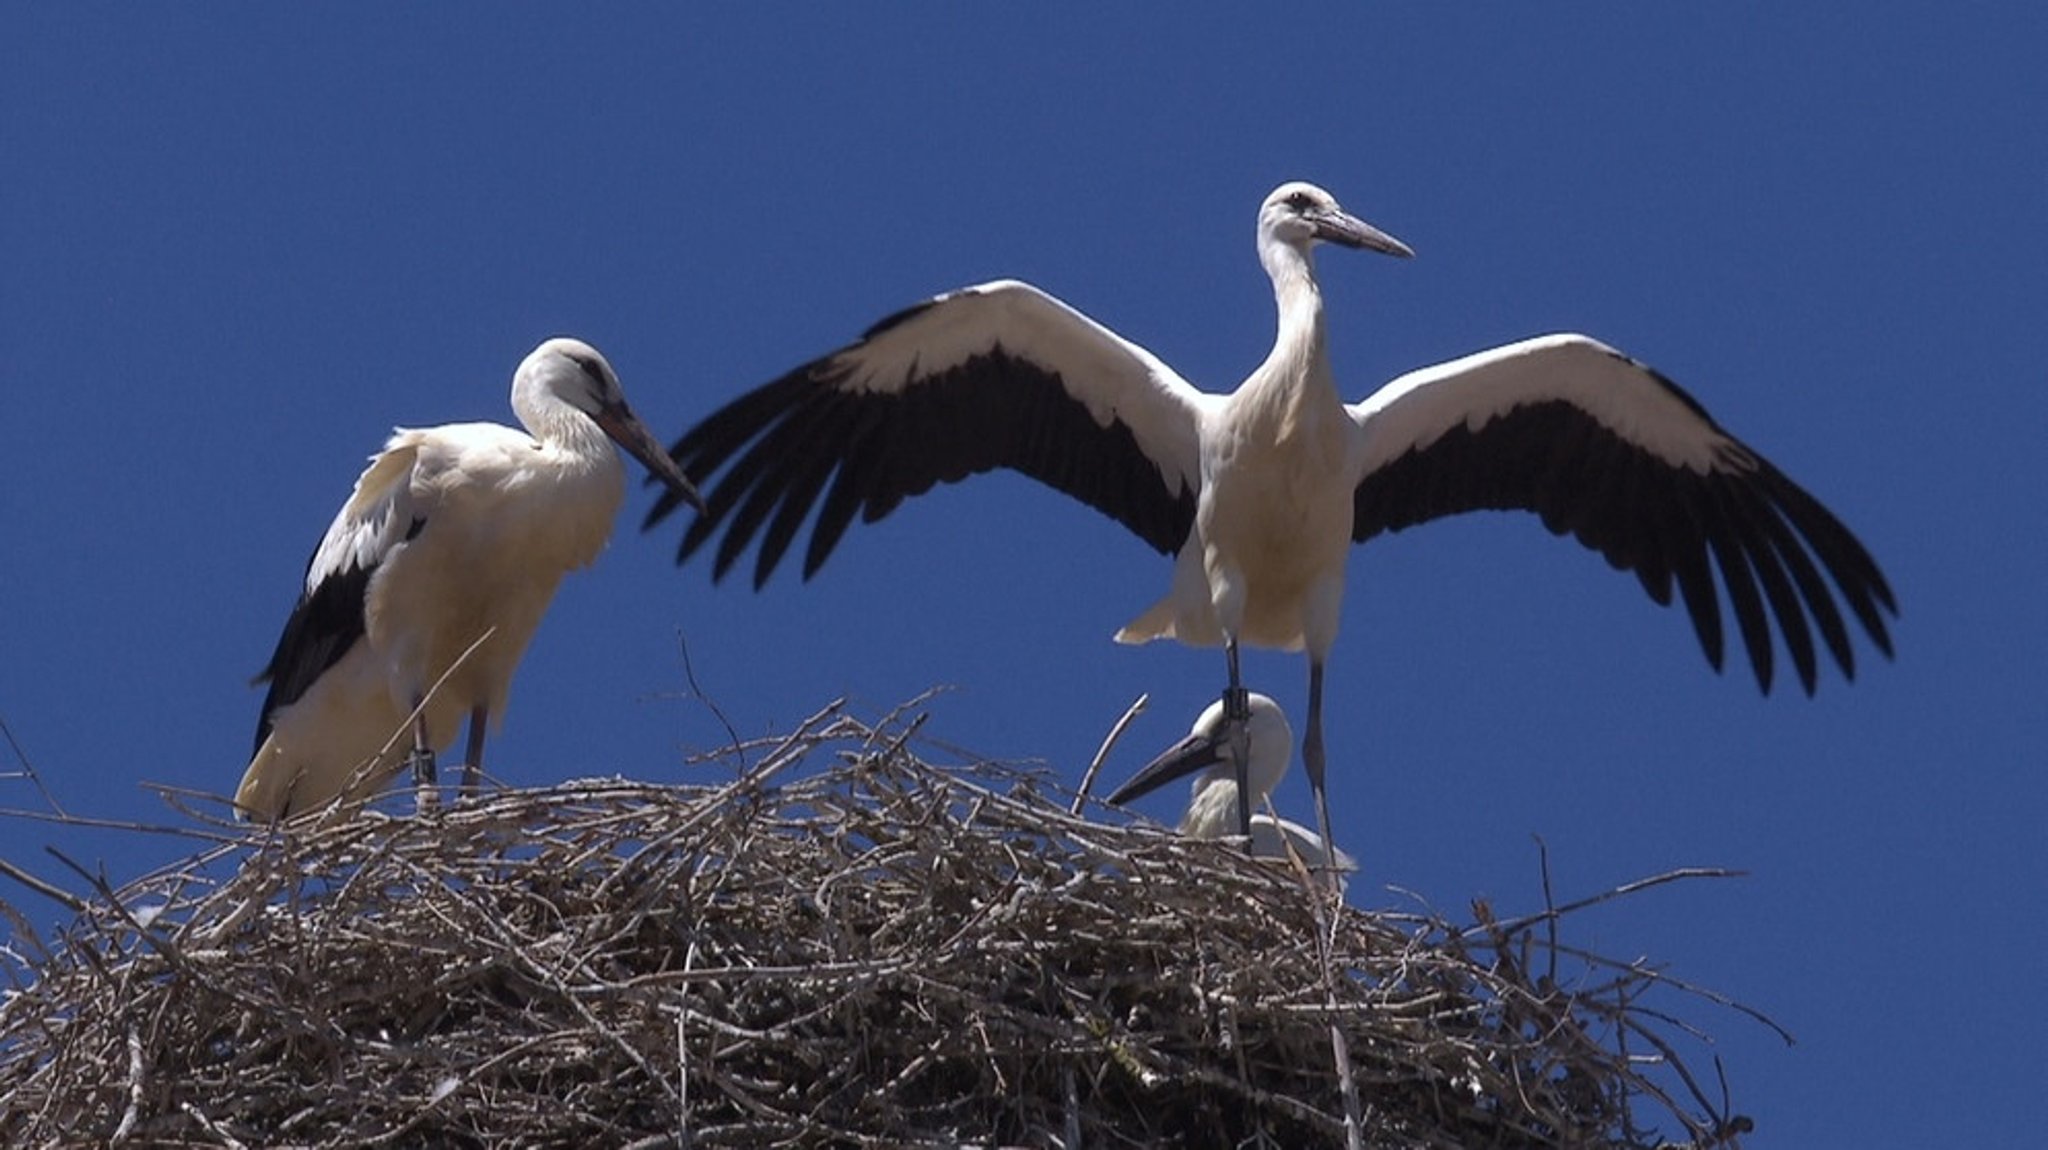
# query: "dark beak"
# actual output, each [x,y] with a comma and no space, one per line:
[628,432]
[1177,762]
[1339,227]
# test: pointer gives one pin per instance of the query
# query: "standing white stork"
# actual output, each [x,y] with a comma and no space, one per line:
[1213,800]
[456,537]
[1261,491]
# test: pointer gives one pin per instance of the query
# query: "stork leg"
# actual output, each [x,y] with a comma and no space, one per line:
[473,758]
[1237,715]
[1312,756]
[422,762]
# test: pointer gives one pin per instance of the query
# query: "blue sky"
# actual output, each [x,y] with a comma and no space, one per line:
[238,243]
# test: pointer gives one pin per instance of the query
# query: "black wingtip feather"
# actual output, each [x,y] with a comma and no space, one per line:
[1738,580]
[1849,564]
[1812,588]
[1757,547]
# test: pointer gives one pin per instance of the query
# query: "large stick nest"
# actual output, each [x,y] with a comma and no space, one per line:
[864,951]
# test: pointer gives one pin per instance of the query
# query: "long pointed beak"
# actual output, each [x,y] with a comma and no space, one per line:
[1176,762]
[1340,227]
[628,432]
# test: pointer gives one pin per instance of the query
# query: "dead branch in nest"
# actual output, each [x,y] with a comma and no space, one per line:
[870,951]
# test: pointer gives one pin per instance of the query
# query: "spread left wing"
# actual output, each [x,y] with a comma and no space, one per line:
[1000,375]
[1614,454]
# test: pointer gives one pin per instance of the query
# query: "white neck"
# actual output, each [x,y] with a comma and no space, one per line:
[1298,344]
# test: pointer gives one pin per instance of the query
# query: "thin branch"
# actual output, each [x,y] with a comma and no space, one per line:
[48,890]
[1116,732]
[697,692]
[28,769]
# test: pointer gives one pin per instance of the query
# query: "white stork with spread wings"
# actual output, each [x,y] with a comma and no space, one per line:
[1261,492]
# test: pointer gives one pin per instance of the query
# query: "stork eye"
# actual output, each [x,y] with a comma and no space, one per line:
[1299,201]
